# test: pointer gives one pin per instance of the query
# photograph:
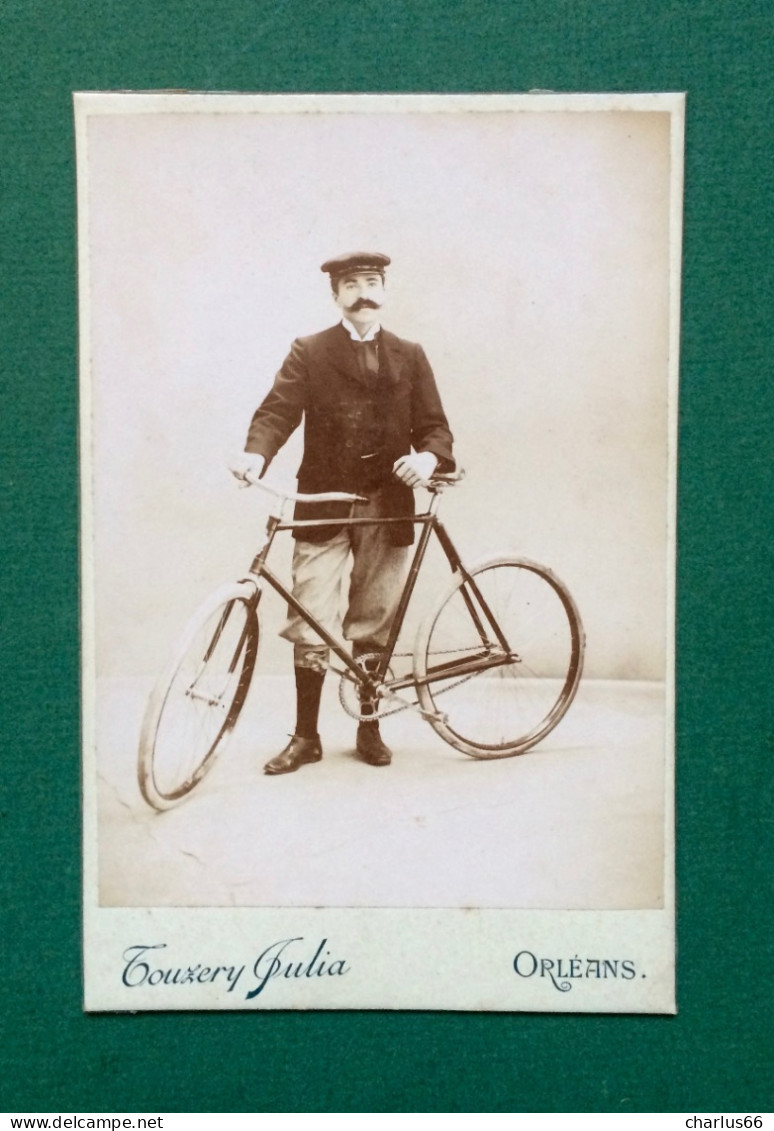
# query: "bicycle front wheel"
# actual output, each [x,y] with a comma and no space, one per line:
[498,662]
[195,705]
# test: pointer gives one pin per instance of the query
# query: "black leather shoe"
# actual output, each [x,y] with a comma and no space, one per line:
[298,752]
[370,746]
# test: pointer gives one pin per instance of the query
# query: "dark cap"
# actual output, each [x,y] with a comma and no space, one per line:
[355,262]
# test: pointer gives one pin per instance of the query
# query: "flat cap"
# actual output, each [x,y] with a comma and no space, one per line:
[355,261]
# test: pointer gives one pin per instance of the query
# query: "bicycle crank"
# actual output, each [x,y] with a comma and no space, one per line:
[367,710]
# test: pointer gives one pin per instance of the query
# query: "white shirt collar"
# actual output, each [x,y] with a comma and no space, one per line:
[354,334]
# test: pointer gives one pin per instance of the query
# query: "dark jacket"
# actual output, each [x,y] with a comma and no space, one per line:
[321,381]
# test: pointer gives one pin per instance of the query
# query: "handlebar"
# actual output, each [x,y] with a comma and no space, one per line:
[435,483]
[298,497]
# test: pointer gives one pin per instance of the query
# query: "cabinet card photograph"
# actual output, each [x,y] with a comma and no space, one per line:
[378,466]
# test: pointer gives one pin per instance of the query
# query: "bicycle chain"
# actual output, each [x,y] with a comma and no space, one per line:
[347,683]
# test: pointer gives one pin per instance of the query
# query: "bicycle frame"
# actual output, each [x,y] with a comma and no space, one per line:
[430,523]
[207,682]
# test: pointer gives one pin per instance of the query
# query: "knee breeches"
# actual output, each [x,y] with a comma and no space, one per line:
[375,585]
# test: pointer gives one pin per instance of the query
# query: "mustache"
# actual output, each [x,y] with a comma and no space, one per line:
[364,304]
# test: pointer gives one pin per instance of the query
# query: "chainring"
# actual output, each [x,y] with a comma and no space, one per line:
[349,693]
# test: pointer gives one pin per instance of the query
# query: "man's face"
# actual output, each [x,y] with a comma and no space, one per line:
[360,297]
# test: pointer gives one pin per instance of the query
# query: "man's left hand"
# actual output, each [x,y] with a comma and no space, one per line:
[416,469]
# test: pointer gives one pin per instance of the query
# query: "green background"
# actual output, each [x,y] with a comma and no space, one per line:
[716,1054]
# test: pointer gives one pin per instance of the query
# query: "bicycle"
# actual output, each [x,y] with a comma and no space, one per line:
[495,665]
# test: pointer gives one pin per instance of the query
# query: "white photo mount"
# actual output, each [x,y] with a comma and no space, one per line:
[535,244]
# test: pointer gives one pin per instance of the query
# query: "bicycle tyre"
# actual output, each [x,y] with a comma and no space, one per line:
[194,706]
[505,709]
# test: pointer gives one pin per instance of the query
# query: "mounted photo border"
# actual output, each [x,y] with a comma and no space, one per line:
[201,231]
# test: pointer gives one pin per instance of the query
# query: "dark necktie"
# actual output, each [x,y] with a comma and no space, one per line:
[367,357]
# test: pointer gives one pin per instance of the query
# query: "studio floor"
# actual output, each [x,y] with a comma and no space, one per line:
[578,822]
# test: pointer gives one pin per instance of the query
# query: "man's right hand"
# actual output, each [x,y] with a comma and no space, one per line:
[246,466]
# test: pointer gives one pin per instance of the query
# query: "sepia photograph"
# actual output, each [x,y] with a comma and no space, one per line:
[378,429]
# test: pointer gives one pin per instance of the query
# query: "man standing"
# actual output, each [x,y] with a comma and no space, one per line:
[367,399]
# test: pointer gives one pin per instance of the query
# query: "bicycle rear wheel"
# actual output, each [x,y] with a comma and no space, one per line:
[195,705]
[499,660]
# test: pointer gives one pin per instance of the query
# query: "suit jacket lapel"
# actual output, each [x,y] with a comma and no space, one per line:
[342,357]
[340,354]
[391,358]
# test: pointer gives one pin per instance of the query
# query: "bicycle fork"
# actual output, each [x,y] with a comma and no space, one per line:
[216,700]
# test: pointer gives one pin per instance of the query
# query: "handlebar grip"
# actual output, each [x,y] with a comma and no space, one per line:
[448,476]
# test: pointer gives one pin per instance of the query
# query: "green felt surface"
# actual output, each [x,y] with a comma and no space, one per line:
[716,1054]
